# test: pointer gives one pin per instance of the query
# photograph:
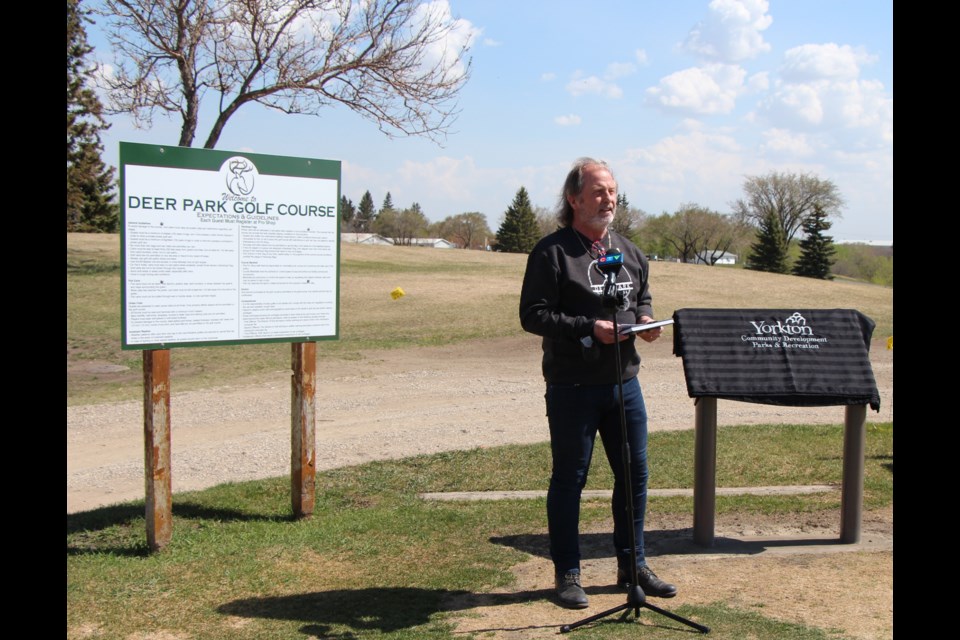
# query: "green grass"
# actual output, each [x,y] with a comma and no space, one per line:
[375,561]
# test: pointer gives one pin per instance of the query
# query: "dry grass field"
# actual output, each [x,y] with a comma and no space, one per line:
[451,296]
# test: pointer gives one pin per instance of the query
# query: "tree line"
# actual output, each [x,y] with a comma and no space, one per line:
[468,230]
[776,209]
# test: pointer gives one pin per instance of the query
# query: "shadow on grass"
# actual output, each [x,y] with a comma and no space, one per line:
[87,530]
[343,613]
[886,465]
[81,268]
[595,546]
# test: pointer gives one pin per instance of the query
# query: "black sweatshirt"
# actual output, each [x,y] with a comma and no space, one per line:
[560,301]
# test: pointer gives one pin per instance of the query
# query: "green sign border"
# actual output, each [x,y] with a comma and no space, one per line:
[150,155]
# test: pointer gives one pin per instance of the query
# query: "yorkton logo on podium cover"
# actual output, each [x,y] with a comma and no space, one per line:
[791,333]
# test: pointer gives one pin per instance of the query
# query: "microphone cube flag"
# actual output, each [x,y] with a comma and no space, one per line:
[397,293]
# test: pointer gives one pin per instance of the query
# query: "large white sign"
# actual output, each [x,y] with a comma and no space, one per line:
[228,255]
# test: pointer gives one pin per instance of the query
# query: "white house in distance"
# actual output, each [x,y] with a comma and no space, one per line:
[375,239]
[365,238]
[435,243]
[724,258]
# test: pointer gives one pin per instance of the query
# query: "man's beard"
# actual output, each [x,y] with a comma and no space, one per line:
[600,221]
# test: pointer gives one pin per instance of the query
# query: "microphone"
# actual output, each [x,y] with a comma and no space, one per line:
[610,263]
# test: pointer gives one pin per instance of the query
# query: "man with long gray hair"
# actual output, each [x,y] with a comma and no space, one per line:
[562,301]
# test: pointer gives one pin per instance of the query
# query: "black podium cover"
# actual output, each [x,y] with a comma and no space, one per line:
[799,358]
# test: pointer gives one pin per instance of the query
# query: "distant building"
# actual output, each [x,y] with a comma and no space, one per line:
[365,238]
[435,243]
[375,239]
[872,243]
[704,257]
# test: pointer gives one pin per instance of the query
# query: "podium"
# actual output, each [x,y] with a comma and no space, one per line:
[787,357]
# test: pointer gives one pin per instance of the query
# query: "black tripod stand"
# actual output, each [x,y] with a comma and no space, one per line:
[612,300]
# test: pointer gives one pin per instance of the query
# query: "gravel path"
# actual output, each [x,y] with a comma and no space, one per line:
[392,404]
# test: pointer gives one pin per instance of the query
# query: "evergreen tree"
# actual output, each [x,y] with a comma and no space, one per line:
[363,222]
[347,213]
[769,252]
[387,203]
[90,205]
[628,220]
[816,250]
[519,231]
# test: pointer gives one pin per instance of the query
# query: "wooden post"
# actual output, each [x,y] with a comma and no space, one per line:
[303,427]
[156,446]
[705,471]
[851,496]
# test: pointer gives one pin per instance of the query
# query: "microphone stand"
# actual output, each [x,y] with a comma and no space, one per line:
[636,599]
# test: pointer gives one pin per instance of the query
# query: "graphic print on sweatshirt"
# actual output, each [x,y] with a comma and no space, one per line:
[595,278]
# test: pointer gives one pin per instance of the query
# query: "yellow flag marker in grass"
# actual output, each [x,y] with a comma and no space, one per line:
[890,343]
[397,293]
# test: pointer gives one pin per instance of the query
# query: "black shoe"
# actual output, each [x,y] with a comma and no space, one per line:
[569,591]
[649,582]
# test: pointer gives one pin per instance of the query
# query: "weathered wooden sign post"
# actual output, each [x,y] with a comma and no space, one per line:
[303,463]
[225,248]
[156,446]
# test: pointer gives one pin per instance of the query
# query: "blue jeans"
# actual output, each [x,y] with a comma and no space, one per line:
[576,413]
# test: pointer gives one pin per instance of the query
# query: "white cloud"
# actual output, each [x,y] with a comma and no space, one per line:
[102,71]
[619,70]
[732,31]
[593,85]
[449,177]
[460,34]
[568,120]
[605,86]
[798,105]
[690,124]
[490,42]
[708,90]
[821,90]
[547,77]
[811,62]
[323,20]
[446,186]
[641,56]
[693,166]
[781,141]
[758,82]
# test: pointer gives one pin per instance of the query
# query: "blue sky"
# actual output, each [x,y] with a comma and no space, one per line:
[683,98]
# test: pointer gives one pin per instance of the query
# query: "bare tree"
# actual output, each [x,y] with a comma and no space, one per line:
[546,220]
[468,230]
[699,234]
[628,220]
[789,197]
[400,63]
[401,226]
